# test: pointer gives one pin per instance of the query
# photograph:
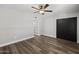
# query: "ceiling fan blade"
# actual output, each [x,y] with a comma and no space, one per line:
[48,10]
[40,6]
[46,5]
[35,8]
[36,12]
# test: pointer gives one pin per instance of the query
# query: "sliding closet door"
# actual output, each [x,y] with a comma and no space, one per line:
[67,29]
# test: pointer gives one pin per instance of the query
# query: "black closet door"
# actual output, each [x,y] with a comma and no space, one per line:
[67,29]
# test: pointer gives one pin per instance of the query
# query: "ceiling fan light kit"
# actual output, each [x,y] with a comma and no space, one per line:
[42,8]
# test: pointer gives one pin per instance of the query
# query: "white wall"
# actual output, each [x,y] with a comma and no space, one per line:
[59,11]
[15,23]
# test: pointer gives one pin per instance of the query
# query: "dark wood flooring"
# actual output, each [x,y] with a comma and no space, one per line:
[41,45]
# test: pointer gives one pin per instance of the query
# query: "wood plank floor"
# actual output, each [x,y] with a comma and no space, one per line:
[41,45]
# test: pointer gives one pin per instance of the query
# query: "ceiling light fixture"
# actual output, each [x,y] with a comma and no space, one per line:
[42,8]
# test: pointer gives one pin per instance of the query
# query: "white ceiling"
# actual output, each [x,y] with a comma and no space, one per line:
[72,8]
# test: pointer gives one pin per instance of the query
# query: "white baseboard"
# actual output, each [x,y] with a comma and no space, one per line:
[50,35]
[15,41]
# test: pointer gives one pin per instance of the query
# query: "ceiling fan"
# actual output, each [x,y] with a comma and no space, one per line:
[42,8]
